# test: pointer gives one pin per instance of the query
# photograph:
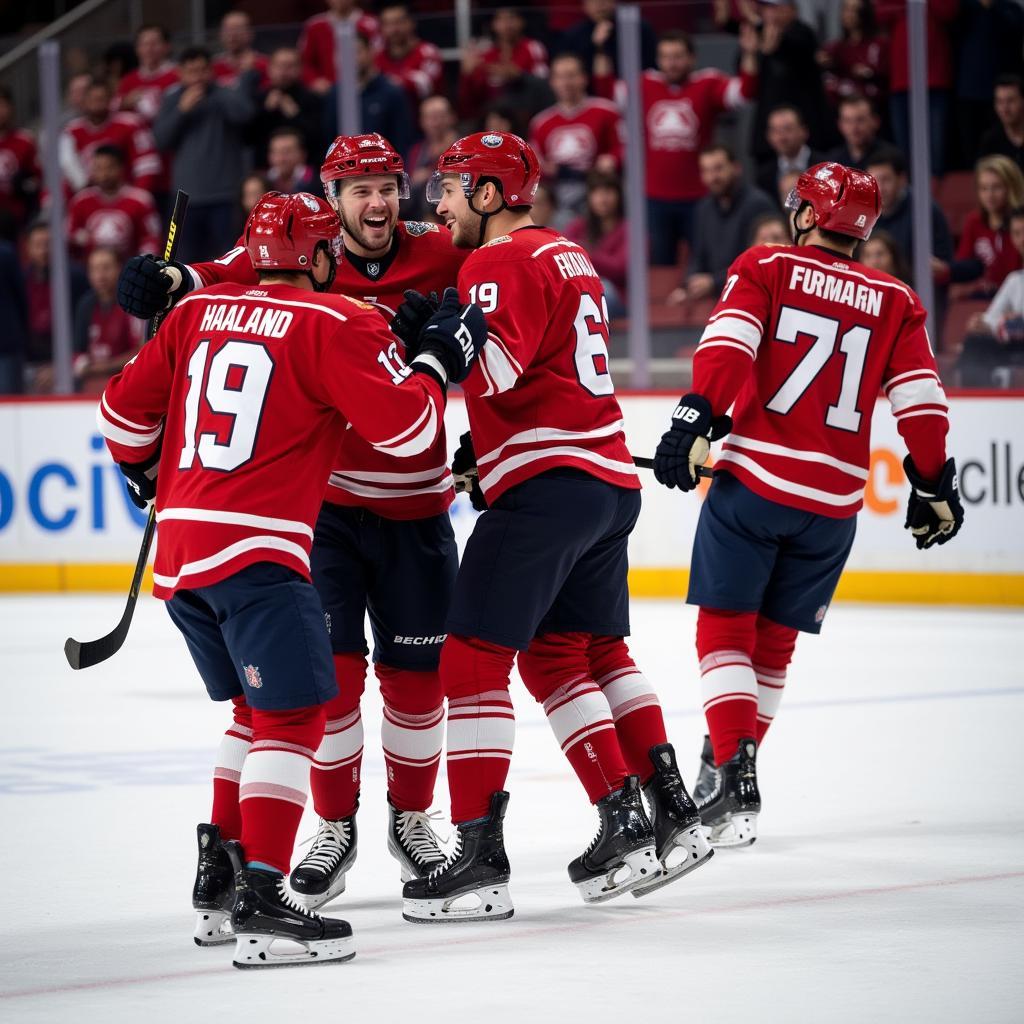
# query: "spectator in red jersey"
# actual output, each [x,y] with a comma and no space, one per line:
[238,55]
[110,214]
[892,14]
[787,136]
[287,170]
[101,125]
[105,336]
[140,91]
[770,229]
[316,44]
[882,252]
[858,62]
[858,124]
[285,102]
[578,134]
[437,125]
[602,232]
[19,169]
[680,108]
[721,225]
[509,65]
[1007,137]
[986,255]
[594,41]
[413,63]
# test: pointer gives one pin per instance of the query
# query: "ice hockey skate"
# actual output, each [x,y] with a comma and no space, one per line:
[320,875]
[472,884]
[213,894]
[680,843]
[707,774]
[273,929]
[413,842]
[730,812]
[621,856]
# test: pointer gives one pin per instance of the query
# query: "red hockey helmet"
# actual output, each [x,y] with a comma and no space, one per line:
[357,156]
[502,156]
[844,200]
[283,231]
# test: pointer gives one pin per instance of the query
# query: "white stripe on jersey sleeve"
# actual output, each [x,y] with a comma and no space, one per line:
[121,435]
[916,392]
[732,328]
[499,366]
[415,439]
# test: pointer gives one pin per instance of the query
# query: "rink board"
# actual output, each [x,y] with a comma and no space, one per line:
[66,522]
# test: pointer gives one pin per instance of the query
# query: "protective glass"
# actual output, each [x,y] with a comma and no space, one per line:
[793,201]
[435,193]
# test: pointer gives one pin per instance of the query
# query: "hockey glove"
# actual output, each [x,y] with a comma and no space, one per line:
[685,445]
[467,476]
[451,340]
[412,317]
[140,479]
[934,511]
[148,285]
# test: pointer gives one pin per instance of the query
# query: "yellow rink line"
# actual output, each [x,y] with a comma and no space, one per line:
[856,585]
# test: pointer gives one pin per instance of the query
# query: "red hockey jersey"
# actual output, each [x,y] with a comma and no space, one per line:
[126,221]
[145,89]
[574,139]
[802,340]
[541,394]
[679,121]
[425,259]
[130,134]
[249,391]
[316,44]
[420,72]
[19,172]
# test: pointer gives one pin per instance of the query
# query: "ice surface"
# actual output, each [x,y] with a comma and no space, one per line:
[887,885]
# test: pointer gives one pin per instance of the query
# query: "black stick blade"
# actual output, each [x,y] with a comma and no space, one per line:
[73,652]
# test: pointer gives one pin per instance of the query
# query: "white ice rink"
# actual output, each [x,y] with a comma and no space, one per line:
[887,885]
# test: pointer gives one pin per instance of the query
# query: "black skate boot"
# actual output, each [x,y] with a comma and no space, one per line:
[472,884]
[731,810]
[707,776]
[413,842]
[679,838]
[621,856]
[272,929]
[320,875]
[213,895]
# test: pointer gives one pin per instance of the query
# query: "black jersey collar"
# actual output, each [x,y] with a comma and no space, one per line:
[374,268]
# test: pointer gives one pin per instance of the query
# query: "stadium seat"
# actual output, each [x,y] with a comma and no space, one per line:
[957,197]
[958,314]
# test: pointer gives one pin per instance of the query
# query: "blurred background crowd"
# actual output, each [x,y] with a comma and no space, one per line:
[738,97]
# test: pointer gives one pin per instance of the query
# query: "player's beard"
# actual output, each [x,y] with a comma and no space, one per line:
[465,230]
[354,231]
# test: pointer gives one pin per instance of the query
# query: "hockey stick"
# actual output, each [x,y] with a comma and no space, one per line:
[92,652]
[644,463]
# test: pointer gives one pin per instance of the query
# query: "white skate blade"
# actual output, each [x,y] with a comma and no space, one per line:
[636,868]
[314,901]
[734,832]
[690,849]
[213,928]
[489,903]
[255,952]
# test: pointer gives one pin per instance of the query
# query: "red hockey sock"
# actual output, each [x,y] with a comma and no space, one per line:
[725,643]
[636,710]
[335,775]
[412,734]
[228,770]
[773,651]
[556,671]
[481,723]
[275,780]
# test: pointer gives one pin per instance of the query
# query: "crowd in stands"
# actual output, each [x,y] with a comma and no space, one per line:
[230,124]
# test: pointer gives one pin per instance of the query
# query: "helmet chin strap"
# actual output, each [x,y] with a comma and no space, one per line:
[324,286]
[484,217]
[798,233]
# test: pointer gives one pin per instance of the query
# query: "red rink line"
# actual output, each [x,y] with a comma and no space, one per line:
[497,932]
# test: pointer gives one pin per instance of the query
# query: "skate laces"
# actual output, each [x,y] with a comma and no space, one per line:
[290,902]
[451,859]
[330,844]
[418,837]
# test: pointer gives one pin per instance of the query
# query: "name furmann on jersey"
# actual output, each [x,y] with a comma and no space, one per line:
[241,319]
[837,289]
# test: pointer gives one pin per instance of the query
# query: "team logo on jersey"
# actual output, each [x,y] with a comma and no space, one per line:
[252,676]
[418,227]
[491,141]
[373,269]
[673,125]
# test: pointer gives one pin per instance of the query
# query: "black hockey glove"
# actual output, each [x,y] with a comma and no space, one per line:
[148,285]
[467,476]
[140,479]
[685,445]
[934,511]
[412,317]
[451,340]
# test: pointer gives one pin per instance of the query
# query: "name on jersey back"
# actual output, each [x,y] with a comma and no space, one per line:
[837,289]
[242,319]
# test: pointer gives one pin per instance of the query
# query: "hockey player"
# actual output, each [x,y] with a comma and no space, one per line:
[231,418]
[544,573]
[801,340]
[383,541]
